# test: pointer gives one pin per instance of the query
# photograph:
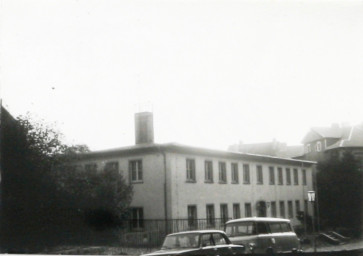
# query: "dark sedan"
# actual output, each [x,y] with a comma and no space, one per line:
[200,242]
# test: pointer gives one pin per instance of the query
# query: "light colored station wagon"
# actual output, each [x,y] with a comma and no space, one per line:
[263,235]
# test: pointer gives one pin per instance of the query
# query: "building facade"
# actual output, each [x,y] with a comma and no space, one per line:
[178,182]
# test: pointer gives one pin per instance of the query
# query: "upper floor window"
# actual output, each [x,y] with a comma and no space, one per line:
[91,168]
[288,176]
[280,175]
[296,177]
[135,167]
[272,175]
[307,148]
[259,174]
[246,174]
[208,171]
[234,171]
[111,167]
[304,176]
[190,170]
[222,172]
[318,146]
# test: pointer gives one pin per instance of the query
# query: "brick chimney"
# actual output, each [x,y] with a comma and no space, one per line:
[144,128]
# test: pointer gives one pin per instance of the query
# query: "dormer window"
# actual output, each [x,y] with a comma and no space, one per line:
[318,146]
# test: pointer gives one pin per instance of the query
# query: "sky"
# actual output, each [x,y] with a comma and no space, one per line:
[213,72]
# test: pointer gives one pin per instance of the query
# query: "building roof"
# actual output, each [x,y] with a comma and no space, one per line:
[352,137]
[259,219]
[179,148]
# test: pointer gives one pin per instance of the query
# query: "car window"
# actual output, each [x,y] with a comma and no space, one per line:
[181,241]
[219,239]
[240,229]
[261,228]
[275,227]
[285,227]
[207,240]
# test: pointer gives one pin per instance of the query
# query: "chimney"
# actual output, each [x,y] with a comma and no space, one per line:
[144,128]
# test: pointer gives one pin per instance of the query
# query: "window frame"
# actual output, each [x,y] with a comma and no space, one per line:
[208,171]
[246,174]
[137,171]
[234,173]
[259,175]
[271,175]
[190,170]
[222,167]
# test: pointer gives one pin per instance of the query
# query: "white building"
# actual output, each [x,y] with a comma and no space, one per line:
[174,182]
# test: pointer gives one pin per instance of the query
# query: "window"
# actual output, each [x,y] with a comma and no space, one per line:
[273,209]
[246,174]
[290,210]
[219,239]
[259,174]
[297,206]
[281,178]
[261,228]
[222,172]
[192,216]
[272,175]
[304,176]
[135,167]
[296,177]
[111,167]
[288,176]
[308,148]
[285,227]
[208,165]
[91,168]
[245,228]
[190,170]
[234,168]
[275,227]
[210,215]
[282,209]
[236,211]
[318,146]
[224,213]
[137,215]
[248,210]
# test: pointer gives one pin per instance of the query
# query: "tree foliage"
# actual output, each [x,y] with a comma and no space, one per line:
[43,195]
[339,183]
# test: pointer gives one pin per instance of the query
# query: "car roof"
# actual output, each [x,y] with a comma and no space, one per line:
[198,232]
[259,219]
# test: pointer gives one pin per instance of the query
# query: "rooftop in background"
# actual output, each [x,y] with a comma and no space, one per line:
[273,148]
[346,135]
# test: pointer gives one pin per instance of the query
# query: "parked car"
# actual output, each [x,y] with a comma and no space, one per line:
[263,235]
[199,242]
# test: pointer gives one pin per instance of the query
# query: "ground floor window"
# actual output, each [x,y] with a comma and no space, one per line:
[192,216]
[137,218]
[210,215]
[248,210]
[236,211]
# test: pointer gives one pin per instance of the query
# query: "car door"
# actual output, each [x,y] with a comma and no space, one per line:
[207,245]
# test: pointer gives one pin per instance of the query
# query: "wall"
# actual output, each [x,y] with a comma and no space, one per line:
[201,193]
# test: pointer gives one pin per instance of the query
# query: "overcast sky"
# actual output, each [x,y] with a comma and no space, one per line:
[215,72]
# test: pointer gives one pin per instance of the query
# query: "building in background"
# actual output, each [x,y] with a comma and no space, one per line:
[273,148]
[323,143]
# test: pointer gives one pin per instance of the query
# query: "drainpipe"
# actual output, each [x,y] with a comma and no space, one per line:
[165,192]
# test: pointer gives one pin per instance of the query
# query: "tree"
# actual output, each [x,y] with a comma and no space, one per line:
[43,196]
[339,183]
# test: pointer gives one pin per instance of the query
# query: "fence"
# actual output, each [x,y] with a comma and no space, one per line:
[151,233]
